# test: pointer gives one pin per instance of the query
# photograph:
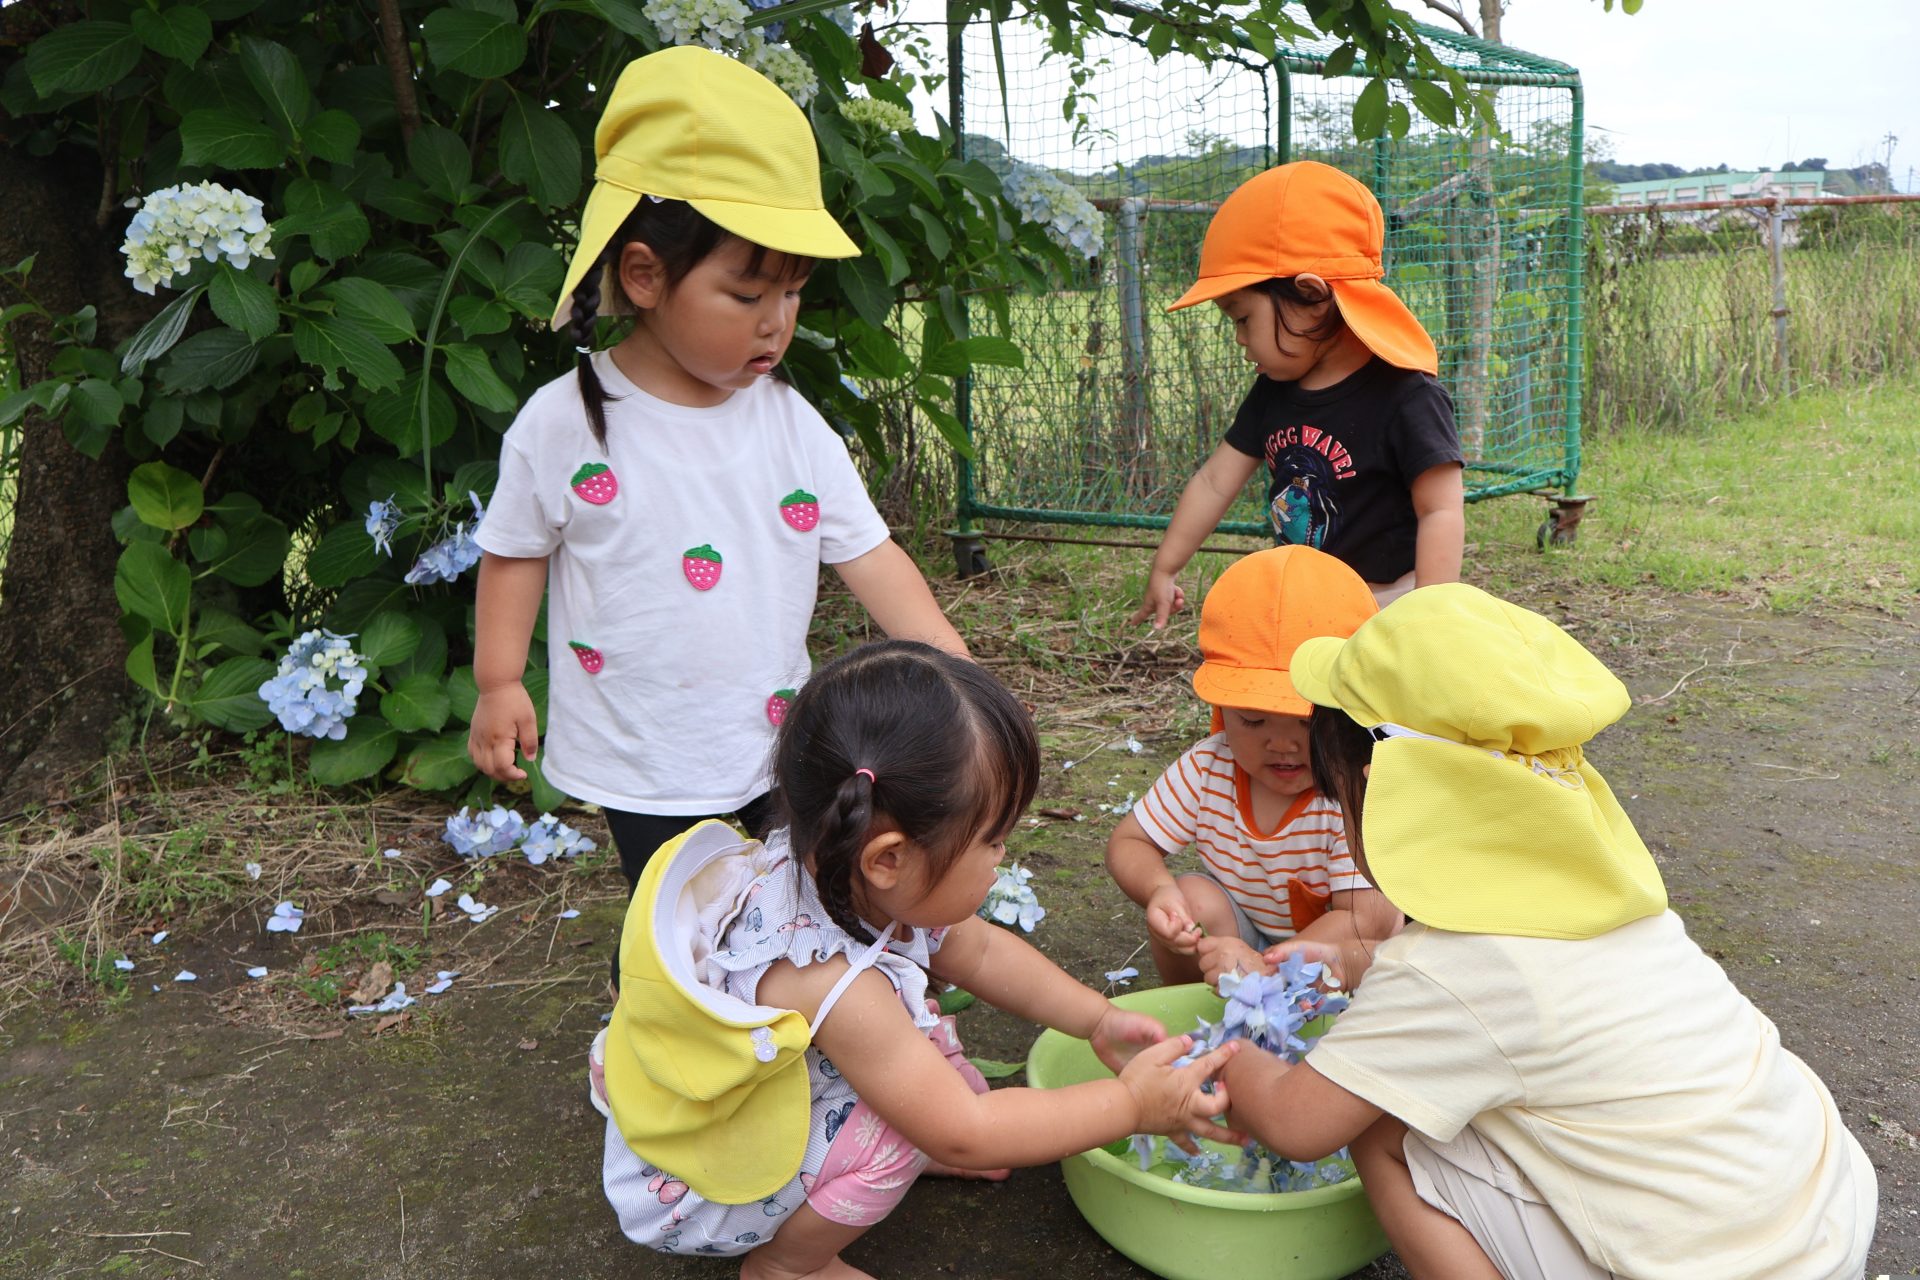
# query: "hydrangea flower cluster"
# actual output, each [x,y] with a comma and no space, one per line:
[383,521]
[450,557]
[481,835]
[1272,1010]
[1069,217]
[879,116]
[177,225]
[1011,901]
[552,838]
[316,685]
[721,25]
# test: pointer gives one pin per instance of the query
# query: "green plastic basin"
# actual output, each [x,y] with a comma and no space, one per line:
[1195,1233]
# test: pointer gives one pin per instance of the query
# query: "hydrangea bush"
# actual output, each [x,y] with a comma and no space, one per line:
[177,226]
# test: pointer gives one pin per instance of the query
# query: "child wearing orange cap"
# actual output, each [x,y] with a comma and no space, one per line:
[1356,432]
[673,498]
[1273,857]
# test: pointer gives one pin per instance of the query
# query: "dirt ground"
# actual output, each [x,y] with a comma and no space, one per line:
[1773,764]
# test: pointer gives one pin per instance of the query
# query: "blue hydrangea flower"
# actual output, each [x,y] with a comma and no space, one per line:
[1068,217]
[1011,901]
[552,838]
[178,226]
[383,521]
[453,555]
[315,688]
[481,835]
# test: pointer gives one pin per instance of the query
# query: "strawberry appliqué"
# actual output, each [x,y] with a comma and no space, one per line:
[701,564]
[778,703]
[591,659]
[595,483]
[801,510]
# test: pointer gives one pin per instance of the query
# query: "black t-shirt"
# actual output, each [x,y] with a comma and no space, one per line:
[1342,460]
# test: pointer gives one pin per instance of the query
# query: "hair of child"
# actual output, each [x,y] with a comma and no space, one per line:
[681,237]
[899,736]
[1338,751]
[1285,292]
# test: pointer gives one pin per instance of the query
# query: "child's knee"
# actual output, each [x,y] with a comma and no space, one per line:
[1212,908]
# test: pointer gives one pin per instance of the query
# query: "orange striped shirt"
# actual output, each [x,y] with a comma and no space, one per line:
[1204,799]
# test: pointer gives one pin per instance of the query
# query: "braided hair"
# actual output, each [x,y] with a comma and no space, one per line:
[899,736]
[680,237]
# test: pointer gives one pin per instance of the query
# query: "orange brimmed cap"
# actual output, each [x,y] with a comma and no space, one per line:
[1257,614]
[1310,218]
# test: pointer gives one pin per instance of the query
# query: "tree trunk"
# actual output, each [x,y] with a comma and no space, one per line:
[62,658]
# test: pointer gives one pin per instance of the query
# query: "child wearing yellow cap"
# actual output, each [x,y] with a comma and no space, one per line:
[1542,1077]
[673,497]
[1357,435]
[1274,863]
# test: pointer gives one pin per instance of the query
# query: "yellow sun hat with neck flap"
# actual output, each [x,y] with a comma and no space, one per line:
[1482,814]
[690,124]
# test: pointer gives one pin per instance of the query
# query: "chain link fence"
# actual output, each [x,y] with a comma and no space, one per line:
[1119,402]
[1705,308]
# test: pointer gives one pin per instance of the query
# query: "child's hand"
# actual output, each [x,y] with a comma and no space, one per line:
[1314,952]
[1170,920]
[502,720]
[1163,599]
[1224,955]
[1120,1034]
[1168,1099]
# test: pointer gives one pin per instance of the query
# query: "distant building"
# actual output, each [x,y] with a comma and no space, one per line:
[1722,186]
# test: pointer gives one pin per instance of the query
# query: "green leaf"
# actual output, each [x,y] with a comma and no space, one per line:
[152,584]
[530,277]
[373,306]
[887,248]
[1434,102]
[438,763]
[415,703]
[472,375]
[538,151]
[1370,110]
[1340,61]
[624,17]
[955,358]
[462,693]
[243,301]
[331,135]
[211,360]
[164,497]
[479,317]
[229,698]
[181,33]
[546,796]
[481,45]
[140,667]
[276,76]
[995,1070]
[222,630]
[388,638]
[82,57]
[331,220]
[429,659]
[95,403]
[864,281]
[344,553]
[223,138]
[407,201]
[255,552]
[395,415]
[439,159]
[938,241]
[369,746]
[163,419]
[333,344]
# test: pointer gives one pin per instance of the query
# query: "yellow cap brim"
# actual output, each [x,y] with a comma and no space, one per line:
[1249,689]
[1311,671]
[807,233]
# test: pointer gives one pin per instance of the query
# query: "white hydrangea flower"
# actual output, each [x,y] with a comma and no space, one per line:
[177,225]
[782,66]
[1069,217]
[721,25]
[882,117]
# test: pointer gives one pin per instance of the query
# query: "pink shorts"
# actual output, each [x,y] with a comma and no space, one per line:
[869,1166]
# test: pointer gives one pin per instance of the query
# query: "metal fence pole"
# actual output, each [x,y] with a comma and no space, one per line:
[1137,435]
[1776,226]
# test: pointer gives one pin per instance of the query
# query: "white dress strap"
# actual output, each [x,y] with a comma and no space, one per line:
[865,961]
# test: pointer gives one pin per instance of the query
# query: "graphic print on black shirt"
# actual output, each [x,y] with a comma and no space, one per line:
[1341,461]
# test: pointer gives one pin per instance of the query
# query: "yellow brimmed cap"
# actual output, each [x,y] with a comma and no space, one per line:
[690,124]
[1482,814]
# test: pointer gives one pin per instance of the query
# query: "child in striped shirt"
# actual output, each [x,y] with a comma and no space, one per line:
[1274,863]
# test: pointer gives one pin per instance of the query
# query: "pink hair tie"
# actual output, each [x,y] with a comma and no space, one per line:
[868,773]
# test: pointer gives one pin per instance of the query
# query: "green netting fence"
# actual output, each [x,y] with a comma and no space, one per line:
[1119,402]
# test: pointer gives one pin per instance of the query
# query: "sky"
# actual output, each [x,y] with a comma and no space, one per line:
[1751,83]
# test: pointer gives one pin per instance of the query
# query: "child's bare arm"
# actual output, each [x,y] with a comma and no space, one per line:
[1140,869]
[1439,504]
[889,586]
[1294,1110]
[899,1073]
[506,603]
[1205,499]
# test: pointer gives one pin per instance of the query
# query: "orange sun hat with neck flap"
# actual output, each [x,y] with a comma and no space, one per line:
[690,124]
[1309,218]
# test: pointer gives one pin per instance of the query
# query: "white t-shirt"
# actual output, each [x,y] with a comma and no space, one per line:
[1648,1102]
[681,580]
